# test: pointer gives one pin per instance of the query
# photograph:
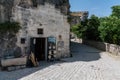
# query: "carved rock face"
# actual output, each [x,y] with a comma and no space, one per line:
[8,5]
[63,5]
[25,3]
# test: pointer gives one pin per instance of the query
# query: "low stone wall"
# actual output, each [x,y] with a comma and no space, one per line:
[112,48]
[13,64]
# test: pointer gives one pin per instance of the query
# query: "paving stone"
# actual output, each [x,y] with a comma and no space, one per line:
[84,65]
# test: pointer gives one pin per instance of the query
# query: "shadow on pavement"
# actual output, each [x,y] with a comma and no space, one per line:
[22,73]
[79,52]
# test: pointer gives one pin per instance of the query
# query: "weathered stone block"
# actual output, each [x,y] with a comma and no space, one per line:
[13,62]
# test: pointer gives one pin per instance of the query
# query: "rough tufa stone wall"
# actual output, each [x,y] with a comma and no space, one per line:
[47,17]
[6,10]
[8,41]
[8,47]
[6,6]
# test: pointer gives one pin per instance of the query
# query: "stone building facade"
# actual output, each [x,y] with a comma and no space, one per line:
[45,30]
[40,24]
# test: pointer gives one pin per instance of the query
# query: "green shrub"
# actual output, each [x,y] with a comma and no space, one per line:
[110,30]
[78,30]
[9,27]
[92,32]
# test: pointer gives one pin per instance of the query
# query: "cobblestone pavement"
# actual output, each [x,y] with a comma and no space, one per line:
[87,63]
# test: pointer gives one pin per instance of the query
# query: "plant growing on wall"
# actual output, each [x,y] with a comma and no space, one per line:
[9,27]
[8,40]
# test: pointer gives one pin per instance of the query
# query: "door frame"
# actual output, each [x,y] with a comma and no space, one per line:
[46,45]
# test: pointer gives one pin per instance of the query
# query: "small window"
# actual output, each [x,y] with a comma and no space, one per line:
[40,31]
[22,40]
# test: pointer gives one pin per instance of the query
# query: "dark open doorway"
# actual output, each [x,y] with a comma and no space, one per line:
[40,49]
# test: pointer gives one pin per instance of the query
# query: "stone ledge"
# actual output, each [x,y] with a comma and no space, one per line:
[111,48]
[13,62]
